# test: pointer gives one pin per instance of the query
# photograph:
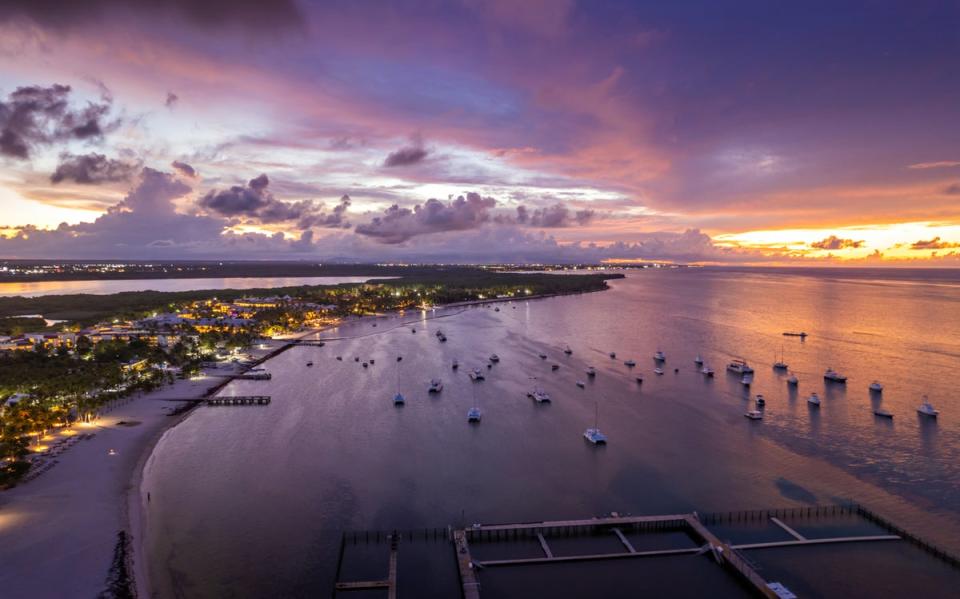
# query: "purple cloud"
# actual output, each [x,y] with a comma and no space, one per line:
[835,243]
[93,168]
[433,216]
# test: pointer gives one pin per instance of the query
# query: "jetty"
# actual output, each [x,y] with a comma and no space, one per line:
[238,400]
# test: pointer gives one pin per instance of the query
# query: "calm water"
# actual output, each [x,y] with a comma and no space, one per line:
[116,286]
[250,501]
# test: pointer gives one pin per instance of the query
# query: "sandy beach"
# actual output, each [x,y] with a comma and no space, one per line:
[58,532]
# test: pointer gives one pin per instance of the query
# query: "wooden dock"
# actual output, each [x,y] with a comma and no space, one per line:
[389,583]
[468,577]
[239,400]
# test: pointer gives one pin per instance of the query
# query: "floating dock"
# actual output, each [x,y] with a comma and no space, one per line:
[239,400]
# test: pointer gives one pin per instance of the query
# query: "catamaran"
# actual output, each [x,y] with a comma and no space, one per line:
[593,434]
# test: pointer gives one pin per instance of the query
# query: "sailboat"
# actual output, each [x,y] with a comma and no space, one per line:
[780,364]
[474,414]
[398,399]
[593,434]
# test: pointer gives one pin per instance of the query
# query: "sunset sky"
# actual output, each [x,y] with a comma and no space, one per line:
[481,130]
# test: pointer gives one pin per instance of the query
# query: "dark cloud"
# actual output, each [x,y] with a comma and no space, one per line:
[953,189]
[255,203]
[93,168]
[252,14]
[184,169]
[554,216]
[35,116]
[933,244]
[835,243]
[433,216]
[406,156]
[171,100]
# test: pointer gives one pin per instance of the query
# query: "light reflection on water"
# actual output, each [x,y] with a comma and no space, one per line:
[250,501]
[39,288]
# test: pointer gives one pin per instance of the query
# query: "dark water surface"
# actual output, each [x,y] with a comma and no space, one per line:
[250,502]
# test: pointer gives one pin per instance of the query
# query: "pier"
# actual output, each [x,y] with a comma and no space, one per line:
[705,541]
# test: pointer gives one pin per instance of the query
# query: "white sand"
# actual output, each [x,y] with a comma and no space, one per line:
[58,531]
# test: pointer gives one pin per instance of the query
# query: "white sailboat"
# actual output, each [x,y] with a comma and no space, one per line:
[593,434]
[474,414]
[780,364]
[927,409]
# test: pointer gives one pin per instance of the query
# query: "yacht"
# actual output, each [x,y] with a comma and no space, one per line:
[613,355]
[747,380]
[761,401]
[629,363]
[659,356]
[494,358]
[539,395]
[473,415]
[698,360]
[554,367]
[476,375]
[658,370]
[436,386]
[881,413]
[754,415]
[543,356]
[814,400]
[567,350]
[739,366]
[581,384]
[707,371]
[793,380]
[876,386]
[834,376]
[927,409]
[591,371]
[398,399]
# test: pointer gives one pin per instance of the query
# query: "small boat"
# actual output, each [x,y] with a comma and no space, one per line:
[591,371]
[436,386]
[581,384]
[398,399]
[476,375]
[356,358]
[739,366]
[309,363]
[814,400]
[543,356]
[455,365]
[473,415]
[554,367]
[707,371]
[927,409]
[340,358]
[698,360]
[365,364]
[881,413]
[613,355]
[639,379]
[399,358]
[629,363]
[761,400]
[496,309]
[372,361]
[754,415]
[659,356]
[876,386]
[567,350]
[439,332]
[800,334]
[747,380]
[413,330]
[833,376]
[792,380]
[539,395]
[494,358]
[658,371]
[443,338]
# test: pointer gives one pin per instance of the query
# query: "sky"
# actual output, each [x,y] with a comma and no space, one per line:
[748,132]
